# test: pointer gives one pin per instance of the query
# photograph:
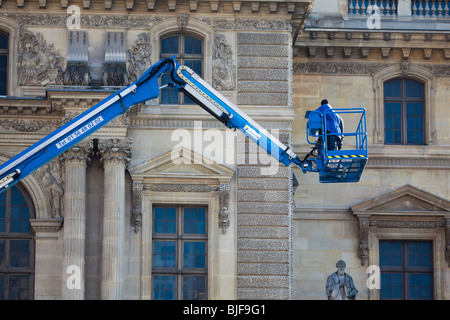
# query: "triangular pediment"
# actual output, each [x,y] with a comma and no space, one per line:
[402,200]
[181,163]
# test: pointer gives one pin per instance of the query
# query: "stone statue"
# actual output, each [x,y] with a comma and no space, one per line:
[55,191]
[340,285]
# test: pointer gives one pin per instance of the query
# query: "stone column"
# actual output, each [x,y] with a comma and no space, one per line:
[115,154]
[76,160]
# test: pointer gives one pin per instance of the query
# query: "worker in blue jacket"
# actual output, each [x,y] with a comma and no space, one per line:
[334,126]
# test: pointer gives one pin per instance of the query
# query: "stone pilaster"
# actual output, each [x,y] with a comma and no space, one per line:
[76,160]
[115,154]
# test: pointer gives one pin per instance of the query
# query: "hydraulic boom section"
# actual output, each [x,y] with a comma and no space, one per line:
[26,162]
[146,88]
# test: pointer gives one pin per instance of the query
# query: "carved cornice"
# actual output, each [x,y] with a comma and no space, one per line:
[163,187]
[360,68]
[407,224]
[407,163]
[144,23]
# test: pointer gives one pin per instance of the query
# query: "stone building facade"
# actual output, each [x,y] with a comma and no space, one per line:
[351,52]
[101,214]
[165,203]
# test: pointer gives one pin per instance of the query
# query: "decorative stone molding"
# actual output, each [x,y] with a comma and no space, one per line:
[136,214]
[363,250]
[131,22]
[203,179]
[223,70]
[29,125]
[224,196]
[407,162]
[41,226]
[167,187]
[38,63]
[79,154]
[115,151]
[139,57]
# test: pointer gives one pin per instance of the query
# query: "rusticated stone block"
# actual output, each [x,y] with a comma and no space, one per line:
[262,269]
[262,294]
[263,184]
[255,172]
[262,282]
[263,232]
[262,196]
[263,51]
[263,87]
[263,74]
[263,208]
[268,99]
[263,38]
[264,62]
[262,220]
[263,244]
[263,257]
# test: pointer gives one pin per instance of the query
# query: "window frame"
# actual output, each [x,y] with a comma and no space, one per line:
[403,99]
[180,238]
[406,269]
[5,52]
[181,57]
[8,236]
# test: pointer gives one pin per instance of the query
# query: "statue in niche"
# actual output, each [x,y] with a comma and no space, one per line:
[139,57]
[340,285]
[223,73]
[54,189]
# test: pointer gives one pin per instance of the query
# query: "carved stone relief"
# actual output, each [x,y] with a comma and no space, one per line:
[223,70]
[139,57]
[38,63]
[136,214]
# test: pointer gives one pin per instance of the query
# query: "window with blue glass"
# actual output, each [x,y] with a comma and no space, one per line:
[188,51]
[406,270]
[179,260]
[404,112]
[16,245]
[3,63]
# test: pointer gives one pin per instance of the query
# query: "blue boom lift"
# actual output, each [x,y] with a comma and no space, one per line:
[332,166]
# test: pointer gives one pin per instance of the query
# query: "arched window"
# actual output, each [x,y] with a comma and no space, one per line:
[404,111]
[3,63]
[16,245]
[188,51]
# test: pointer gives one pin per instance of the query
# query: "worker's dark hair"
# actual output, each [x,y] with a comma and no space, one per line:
[324,101]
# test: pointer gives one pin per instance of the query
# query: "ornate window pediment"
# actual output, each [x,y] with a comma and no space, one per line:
[403,211]
[181,171]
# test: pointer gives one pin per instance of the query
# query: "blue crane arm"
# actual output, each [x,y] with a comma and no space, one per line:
[146,88]
[68,135]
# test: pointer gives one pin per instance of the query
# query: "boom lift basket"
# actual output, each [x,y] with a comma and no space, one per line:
[346,164]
